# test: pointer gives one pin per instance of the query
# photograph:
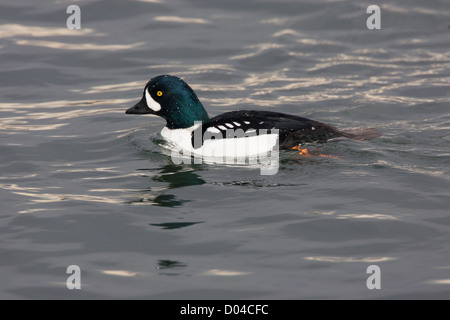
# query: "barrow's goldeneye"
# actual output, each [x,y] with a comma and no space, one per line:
[235,133]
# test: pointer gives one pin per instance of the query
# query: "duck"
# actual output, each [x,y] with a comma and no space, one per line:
[239,133]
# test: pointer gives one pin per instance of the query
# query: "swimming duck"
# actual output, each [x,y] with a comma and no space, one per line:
[234,133]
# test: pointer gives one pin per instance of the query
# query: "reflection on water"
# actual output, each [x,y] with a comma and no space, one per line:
[18,30]
[176,177]
[78,46]
[172,176]
[121,273]
[168,264]
[181,20]
[351,259]
[174,225]
[224,273]
[162,200]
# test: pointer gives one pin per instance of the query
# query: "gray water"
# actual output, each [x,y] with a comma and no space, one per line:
[81,183]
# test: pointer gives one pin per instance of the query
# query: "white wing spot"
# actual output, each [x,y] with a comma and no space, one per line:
[151,103]
[246,122]
[312,128]
[222,127]
[229,125]
[237,124]
[213,130]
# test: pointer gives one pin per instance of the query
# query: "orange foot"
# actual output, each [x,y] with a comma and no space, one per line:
[304,152]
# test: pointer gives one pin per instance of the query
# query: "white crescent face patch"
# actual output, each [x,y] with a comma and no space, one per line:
[151,103]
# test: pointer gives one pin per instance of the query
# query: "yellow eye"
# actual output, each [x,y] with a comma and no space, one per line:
[159,93]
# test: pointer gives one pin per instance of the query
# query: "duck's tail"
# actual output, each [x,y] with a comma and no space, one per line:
[358,134]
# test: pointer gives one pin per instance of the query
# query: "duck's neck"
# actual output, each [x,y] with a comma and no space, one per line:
[185,116]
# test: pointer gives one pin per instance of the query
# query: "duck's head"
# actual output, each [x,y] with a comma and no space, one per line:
[172,99]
